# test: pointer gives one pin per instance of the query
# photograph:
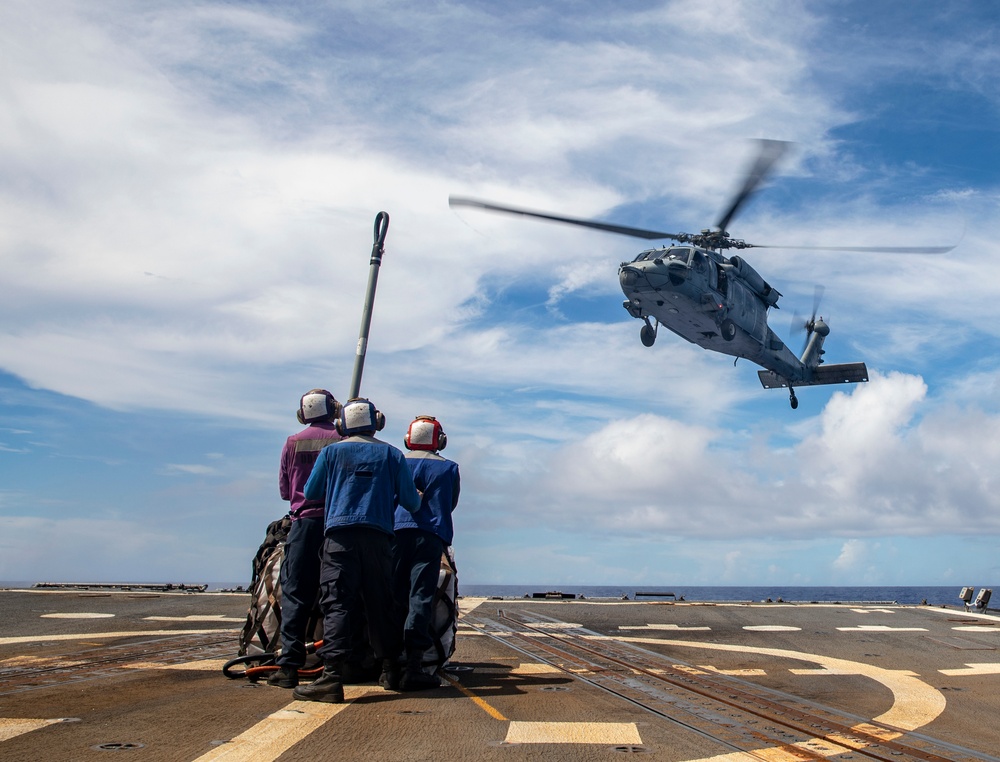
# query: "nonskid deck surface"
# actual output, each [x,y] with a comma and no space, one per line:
[138,676]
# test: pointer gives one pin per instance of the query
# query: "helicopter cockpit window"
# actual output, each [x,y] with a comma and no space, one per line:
[675,254]
[678,254]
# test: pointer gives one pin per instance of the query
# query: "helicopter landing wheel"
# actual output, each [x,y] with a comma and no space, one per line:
[792,399]
[728,329]
[647,335]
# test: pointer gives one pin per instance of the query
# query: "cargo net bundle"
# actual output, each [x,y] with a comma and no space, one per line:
[260,638]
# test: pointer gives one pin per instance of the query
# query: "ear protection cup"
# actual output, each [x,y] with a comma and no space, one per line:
[425,433]
[317,405]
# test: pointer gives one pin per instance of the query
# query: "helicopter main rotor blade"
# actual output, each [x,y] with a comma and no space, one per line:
[871,249]
[770,152]
[650,235]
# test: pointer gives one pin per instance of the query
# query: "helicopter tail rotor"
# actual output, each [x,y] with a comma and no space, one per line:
[809,326]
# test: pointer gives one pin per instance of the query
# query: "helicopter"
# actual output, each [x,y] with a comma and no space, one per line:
[720,302]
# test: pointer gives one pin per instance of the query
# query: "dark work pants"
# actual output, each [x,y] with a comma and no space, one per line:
[416,570]
[355,581]
[299,587]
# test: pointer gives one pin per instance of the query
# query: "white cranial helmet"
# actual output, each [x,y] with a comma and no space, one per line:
[317,405]
[359,416]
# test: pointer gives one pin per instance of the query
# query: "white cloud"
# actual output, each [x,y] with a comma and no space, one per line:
[191,468]
[188,193]
[853,554]
[867,465]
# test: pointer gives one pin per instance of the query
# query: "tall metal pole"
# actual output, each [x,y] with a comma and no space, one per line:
[378,249]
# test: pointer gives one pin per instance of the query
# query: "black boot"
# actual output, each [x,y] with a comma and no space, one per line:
[327,688]
[389,679]
[415,679]
[285,677]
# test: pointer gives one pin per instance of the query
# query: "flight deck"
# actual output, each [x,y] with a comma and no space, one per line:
[137,675]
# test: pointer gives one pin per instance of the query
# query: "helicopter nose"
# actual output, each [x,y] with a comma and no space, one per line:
[628,277]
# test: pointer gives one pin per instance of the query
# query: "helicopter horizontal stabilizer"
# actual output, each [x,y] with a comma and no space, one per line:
[844,373]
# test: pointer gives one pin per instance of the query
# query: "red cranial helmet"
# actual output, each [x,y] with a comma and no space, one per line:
[425,433]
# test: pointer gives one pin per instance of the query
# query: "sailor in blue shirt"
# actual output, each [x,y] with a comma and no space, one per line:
[361,480]
[422,537]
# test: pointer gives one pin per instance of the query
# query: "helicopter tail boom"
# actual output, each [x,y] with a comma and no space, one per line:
[844,373]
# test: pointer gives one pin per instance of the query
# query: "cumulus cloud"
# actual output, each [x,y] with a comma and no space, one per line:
[867,465]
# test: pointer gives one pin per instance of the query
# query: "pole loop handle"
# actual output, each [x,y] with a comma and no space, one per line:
[381,228]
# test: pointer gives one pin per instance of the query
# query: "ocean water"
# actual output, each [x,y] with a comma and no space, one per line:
[914,595]
[932,596]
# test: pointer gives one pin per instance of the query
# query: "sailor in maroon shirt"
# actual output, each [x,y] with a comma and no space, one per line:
[300,566]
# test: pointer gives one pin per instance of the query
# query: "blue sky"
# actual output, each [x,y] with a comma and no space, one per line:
[187,195]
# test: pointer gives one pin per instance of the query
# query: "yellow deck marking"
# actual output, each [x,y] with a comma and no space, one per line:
[915,703]
[769,755]
[468,605]
[9,727]
[733,672]
[970,614]
[671,627]
[982,668]
[275,734]
[481,703]
[195,618]
[25,661]
[872,611]
[97,636]
[201,665]
[605,733]
[556,626]
[533,668]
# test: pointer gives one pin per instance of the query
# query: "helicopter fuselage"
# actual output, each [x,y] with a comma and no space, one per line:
[719,303]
